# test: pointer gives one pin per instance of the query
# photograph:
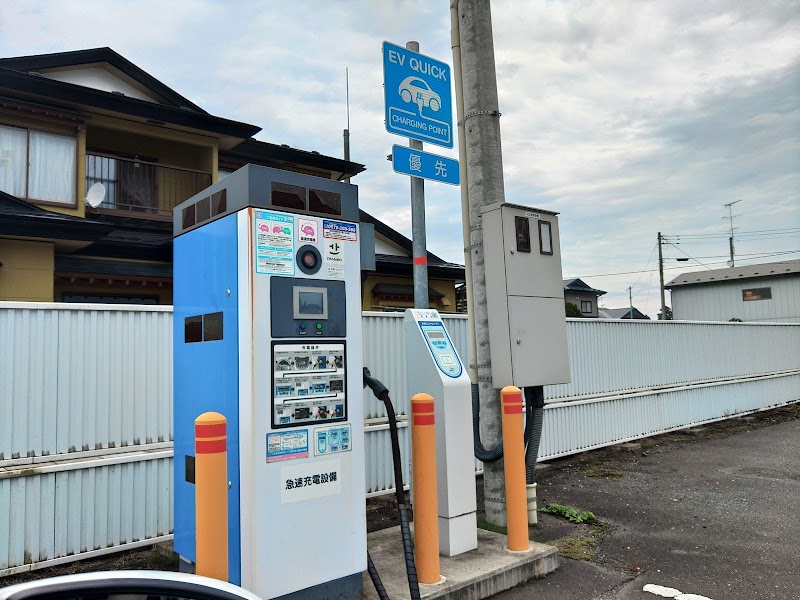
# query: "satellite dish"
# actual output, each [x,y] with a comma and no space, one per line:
[95,194]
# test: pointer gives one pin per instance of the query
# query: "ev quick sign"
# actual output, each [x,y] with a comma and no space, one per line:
[417,91]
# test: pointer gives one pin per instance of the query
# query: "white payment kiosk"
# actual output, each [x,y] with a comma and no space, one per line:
[434,367]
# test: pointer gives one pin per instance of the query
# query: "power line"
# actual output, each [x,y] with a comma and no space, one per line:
[743,232]
[687,254]
[683,267]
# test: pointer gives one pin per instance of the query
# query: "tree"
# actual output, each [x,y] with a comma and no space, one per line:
[572,310]
[668,313]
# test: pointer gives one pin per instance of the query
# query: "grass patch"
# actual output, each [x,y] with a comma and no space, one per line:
[484,524]
[570,513]
[582,547]
[162,559]
[601,472]
[576,548]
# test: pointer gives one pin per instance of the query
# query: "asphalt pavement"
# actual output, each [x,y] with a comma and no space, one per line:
[713,512]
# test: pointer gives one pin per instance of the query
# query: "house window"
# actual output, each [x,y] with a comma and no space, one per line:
[38,166]
[757,294]
[586,306]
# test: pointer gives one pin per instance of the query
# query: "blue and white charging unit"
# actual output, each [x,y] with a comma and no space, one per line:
[434,367]
[267,331]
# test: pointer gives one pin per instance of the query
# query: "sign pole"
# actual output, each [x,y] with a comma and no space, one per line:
[418,242]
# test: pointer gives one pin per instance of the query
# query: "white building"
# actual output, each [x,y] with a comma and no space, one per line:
[765,292]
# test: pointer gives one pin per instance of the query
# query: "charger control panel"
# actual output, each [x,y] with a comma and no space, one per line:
[441,348]
[308,383]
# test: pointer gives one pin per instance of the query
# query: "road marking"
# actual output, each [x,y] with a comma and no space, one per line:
[665,592]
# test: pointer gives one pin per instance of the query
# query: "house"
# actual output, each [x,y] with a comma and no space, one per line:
[71,120]
[391,286]
[622,313]
[764,292]
[583,296]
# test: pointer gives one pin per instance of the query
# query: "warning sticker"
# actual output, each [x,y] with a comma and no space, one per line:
[339,230]
[311,480]
[274,237]
[307,231]
[334,259]
[287,445]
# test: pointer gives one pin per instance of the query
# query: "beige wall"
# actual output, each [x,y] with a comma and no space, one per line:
[443,286]
[27,271]
[576,298]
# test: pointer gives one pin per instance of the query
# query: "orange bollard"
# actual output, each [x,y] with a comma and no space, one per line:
[514,466]
[211,495]
[426,504]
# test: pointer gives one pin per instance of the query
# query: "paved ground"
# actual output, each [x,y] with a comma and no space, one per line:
[713,514]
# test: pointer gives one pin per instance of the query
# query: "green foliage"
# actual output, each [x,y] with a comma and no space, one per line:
[570,513]
[572,310]
[667,312]
[735,320]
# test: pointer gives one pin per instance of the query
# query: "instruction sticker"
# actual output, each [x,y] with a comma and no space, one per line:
[274,237]
[311,480]
[287,445]
[339,230]
[330,440]
[307,231]
[334,259]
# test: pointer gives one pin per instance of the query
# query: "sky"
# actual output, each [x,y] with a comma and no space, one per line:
[626,117]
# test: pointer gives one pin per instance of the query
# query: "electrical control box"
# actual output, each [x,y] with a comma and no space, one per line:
[524,296]
[267,331]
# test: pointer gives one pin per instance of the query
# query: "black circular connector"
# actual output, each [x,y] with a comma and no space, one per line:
[308,259]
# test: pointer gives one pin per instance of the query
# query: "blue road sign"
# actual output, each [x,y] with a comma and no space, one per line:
[417,163]
[418,99]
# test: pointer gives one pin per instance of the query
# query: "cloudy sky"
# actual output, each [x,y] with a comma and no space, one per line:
[627,117]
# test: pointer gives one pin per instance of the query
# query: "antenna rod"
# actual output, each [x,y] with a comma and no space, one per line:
[346,133]
[730,217]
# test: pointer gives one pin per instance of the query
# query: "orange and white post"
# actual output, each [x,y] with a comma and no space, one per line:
[211,495]
[514,465]
[426,504]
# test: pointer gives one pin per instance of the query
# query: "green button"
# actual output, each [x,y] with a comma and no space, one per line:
[319,326]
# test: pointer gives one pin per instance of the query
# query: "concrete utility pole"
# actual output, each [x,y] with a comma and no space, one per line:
[663,316]
[484,187]
[418,243]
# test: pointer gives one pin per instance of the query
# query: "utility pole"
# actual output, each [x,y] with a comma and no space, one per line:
[730,216]
[418,243]
[484,187]
[630,299]
[663,316]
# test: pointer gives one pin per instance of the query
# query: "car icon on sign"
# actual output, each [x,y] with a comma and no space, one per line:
[414,89]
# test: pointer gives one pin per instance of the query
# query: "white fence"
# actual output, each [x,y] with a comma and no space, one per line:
[86,410]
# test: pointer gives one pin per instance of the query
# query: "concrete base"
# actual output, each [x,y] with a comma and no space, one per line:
[471,576]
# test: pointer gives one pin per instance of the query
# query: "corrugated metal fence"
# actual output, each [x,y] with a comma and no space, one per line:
[86,410]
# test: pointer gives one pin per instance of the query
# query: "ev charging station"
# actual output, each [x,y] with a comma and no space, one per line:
[267,332]
[434,367]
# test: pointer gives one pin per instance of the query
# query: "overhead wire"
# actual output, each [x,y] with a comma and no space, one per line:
[684,266]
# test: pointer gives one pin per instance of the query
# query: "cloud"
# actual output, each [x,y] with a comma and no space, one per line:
[628,118]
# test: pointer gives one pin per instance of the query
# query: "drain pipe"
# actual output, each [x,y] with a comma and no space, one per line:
[534,403]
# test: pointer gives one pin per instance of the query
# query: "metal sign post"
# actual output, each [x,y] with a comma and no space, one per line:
[418,105]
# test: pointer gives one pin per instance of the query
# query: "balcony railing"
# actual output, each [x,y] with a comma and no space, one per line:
[140,188]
